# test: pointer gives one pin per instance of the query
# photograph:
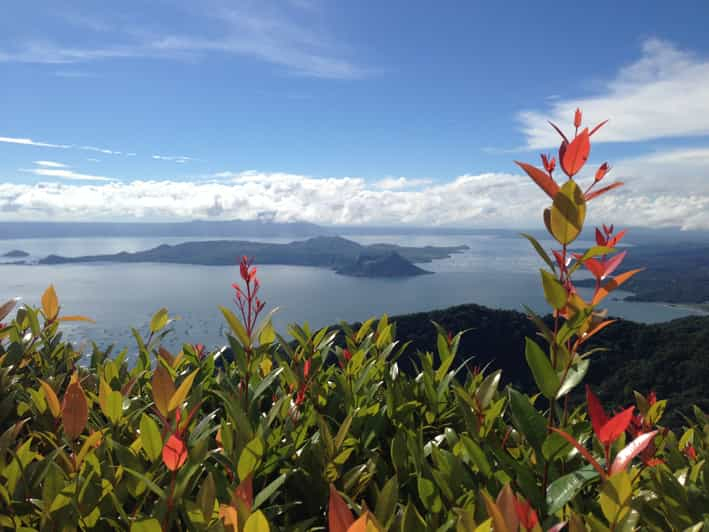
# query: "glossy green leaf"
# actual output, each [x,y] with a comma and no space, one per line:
[150,437]
[544,375]
[159,320]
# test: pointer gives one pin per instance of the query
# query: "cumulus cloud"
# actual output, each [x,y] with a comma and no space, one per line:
[484,200]
[665,93]
[397,183]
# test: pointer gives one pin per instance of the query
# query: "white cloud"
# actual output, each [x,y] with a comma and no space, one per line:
[100,150]
[180,159]
[50,164]
[663,94]
[65,173]
[277,35]
[398,183]
[30,142]
[485,200]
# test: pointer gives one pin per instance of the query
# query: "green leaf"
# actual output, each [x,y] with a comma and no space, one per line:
[565,488]
[269,490]
[386,501]
[539,249]
[114,406]
[488,388]
[150,437]
[146,525]
[207,496]
[574,376]
[268,334]
[554,291]
[527,419]
[412,520]
[568,212]
[159,320]
[250,458]
[544,375]
[236,326]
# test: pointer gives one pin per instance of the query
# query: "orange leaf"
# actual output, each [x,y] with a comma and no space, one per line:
[541,178]
[245,491]
[559,131]
[174,453]
[163,389]
[50,303]
[506,503]
[603,190]
[611,285]
[339,516]
[230,518]
[75,409]
[498,520]
[599,126]
[7,307]
[362,523]
[576,154]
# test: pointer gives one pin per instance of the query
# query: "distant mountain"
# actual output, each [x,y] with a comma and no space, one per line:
[342,255]
[16,254]
[389,265]
[198,228]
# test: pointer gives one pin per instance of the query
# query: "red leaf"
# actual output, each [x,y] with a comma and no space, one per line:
[580,448]
[576,154]
[600,239]
[611,285]
[527,516]
[595,267]
[601,172]
[616,426]
[245,491]
[611,264]
[541,178]
[599,126]
[559,132]
[174,453]
[634,448]
[577,118]
[596,193]
[617,238]
[339,516]
[595,411]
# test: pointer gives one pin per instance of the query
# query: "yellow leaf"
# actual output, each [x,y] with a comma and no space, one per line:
[103,391]
[93,440]
[179,396]
[265,366]
[76,318]
[568,212]
[50,303]
[163,389]
[51,398]
[257,523]
[494,512]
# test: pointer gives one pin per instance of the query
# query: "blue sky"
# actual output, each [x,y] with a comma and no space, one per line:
[346,112]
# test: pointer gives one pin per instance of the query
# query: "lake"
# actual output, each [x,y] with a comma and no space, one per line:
[497,271]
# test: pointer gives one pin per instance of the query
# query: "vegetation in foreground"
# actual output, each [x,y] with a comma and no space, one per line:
[304,434]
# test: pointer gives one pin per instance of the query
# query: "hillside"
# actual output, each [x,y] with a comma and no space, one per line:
[670,358]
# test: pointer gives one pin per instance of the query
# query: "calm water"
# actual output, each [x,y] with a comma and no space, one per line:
[497,272]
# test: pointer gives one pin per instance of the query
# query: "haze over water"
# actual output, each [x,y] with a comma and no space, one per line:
[498,271]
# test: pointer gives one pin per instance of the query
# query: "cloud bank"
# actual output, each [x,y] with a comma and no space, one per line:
[484,200]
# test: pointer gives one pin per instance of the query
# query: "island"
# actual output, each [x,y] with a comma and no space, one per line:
[16,254]
[339,254]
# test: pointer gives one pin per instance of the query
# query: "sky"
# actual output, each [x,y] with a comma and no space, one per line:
[362,112]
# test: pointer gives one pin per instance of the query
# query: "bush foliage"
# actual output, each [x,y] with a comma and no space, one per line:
[322,430]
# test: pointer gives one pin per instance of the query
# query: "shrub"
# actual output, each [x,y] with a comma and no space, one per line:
[307,433]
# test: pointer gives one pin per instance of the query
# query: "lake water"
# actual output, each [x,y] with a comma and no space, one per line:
[497,271]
